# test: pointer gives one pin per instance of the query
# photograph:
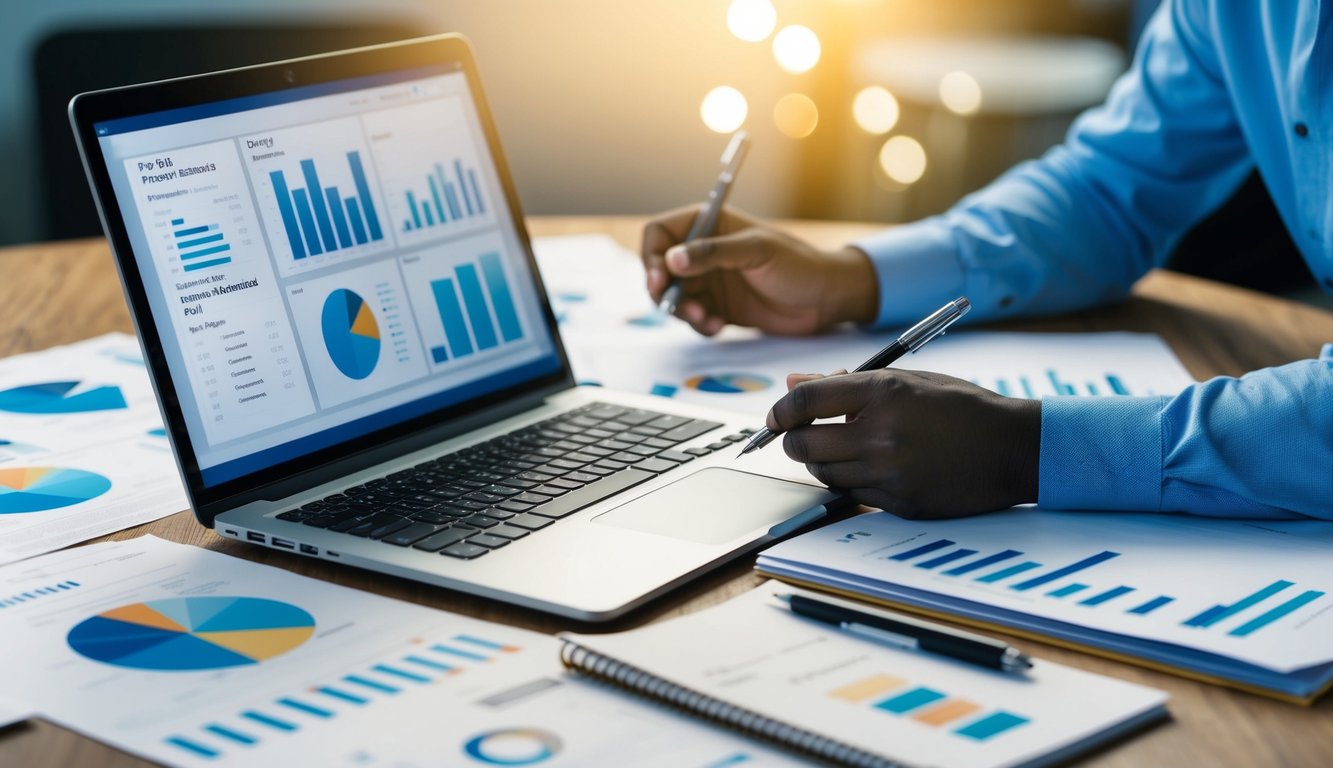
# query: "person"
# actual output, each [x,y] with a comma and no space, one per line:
[1216,89]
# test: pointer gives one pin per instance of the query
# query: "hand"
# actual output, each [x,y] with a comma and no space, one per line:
[917,444]
[751,274]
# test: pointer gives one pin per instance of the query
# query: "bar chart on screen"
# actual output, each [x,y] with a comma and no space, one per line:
[435,185]
[318,194]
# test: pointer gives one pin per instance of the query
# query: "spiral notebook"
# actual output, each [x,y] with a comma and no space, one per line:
[752,665]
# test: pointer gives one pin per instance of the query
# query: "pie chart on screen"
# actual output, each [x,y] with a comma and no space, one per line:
[38,489]
[351,334]
[192,633]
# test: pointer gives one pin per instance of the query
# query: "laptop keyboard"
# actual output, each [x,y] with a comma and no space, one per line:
[491,495]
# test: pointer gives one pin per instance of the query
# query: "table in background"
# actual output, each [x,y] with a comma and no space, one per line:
[56,293]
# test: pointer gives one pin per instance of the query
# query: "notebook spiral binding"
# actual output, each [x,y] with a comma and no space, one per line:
[639,681]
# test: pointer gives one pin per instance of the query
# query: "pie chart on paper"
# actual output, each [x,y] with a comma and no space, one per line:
[192,633]
[351,334]
[61,397]
[38,489]
[729,383]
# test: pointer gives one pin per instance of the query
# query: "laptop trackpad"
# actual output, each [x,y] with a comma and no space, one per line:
[717,505]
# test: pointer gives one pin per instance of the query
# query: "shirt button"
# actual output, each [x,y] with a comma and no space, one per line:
[1302,130]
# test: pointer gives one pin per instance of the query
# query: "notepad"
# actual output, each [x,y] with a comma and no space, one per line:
[1248,604]
[753,665]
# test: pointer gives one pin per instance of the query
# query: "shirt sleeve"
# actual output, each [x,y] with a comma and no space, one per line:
[1260,445]
[1081,224]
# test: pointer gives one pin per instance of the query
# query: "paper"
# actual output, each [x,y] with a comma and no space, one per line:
[11,712]
[1194,592]
[615,339]
[190,658]
[913,707]
[82,448]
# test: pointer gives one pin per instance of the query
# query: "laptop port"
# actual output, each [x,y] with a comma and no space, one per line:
[253,536]
[306,549]
[282,543]
[230,532]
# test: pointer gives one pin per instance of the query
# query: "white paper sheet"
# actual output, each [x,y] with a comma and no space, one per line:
[597,291]
[192,658]
[82,450]
[914,707]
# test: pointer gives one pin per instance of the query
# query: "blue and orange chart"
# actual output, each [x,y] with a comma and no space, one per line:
[60,397]
[351,333]
[39,489]
[192,633]
[513,746]
[729,383]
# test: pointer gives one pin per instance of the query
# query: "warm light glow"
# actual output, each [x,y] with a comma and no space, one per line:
[903,159]
[960,93]
[724,109]
[751,20]
[796,49]
[875,110]
[796,115]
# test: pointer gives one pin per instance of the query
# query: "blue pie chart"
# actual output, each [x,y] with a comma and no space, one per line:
[38,489]
[61,397]
[351,334]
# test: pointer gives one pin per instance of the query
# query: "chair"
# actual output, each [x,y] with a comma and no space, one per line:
[71,60]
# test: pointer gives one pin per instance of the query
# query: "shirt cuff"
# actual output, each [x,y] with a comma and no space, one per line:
[1101,453]
[917,268]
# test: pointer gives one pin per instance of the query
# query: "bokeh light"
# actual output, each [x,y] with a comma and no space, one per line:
[875,110]
[796,115]
[796,48]
[724,109]
[751,20]
[960,92]
[903,159]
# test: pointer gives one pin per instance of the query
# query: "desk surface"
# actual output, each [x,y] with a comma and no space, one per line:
[62,292]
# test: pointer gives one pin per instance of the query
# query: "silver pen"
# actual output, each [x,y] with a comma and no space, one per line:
[706,220]
[911,340]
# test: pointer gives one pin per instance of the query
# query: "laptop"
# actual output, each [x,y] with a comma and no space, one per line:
[355,358]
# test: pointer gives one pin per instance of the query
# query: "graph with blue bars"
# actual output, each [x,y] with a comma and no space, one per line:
[199,246]
[338,695]
[1008,569]
[322,219]
[476,308]
[447,196]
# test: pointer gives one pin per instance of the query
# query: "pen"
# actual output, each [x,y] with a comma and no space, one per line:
[911,634]
[706,221]
[911,340]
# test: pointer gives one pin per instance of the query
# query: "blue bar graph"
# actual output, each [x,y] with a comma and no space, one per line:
[913,699]
[1220,612]
[485,317]
[983,562]
[1272,615]
[957,554]
[1151,605]
[1106,596]
[320,219]
[1060,387]
[444,199]
[991,725]
[1060,573]
[1012,570]
[1067,590]
[923,550]
[199,242]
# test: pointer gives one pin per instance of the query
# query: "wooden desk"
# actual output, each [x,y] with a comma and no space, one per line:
[62,292]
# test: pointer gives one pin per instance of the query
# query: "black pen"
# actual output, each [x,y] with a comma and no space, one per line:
[911,634]
[911,340]
[706,220]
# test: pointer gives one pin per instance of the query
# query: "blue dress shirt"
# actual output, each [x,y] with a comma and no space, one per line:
[1217,88]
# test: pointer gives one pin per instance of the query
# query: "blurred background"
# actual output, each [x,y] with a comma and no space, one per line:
[859,109]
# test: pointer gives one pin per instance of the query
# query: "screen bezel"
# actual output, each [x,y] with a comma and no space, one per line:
[322,465]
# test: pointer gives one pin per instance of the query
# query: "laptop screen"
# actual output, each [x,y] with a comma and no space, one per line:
[326,261]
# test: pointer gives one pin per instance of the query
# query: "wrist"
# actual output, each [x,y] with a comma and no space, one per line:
[1024,451]
[853,290]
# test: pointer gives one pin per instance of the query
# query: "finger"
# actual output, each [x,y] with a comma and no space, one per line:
[746,249]
[697,316]
[658,235]
[821,399]
[796,378]
[822,443]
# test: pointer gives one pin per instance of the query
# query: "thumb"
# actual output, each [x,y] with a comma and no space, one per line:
[796,378]
[742,250]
